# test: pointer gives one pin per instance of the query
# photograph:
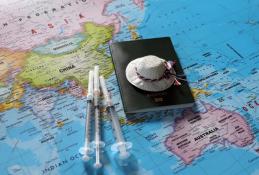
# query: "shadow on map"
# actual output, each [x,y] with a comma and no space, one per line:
[129,166]
[89,168]
[157,116]
[126,167]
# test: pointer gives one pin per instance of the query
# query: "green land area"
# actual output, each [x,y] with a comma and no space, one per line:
[45,70]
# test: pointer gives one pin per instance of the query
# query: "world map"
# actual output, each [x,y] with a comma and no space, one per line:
[48,47]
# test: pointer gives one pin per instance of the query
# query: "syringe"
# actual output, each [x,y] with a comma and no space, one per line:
[86,150]
[121,145]
[98,144]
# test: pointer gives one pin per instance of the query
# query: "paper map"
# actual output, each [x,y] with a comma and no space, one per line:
[47,48]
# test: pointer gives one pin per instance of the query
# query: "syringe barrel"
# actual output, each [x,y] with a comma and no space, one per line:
[97,125]
[98,141]
[88,123]
[90,91]
[96,86]
[116,124]
[105,92]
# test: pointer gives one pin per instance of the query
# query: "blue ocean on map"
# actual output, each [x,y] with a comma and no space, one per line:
[4,92]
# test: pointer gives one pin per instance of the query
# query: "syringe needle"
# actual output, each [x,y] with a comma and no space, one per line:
[98,143]
[121,145]
[86,149]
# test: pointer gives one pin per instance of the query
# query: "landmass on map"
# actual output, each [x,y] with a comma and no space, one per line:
[54,51]
[46,70]
[193,132]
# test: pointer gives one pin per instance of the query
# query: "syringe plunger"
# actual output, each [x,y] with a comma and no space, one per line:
[120,146]
[86,150]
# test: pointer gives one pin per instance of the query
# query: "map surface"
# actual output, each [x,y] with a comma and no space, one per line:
[48,47]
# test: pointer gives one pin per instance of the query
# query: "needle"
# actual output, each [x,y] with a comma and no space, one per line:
[121,145]
[86,150]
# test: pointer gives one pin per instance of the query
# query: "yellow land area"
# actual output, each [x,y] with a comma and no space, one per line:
[197,92]
[50,70]
[60,124]
[134,34]
[13,100]
[10,60]
[1,84]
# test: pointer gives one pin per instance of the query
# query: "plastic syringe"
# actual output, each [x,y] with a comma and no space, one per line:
[98,144]
[121,145]
[86,150]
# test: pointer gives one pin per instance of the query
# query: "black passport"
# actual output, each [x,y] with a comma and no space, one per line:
[135,100]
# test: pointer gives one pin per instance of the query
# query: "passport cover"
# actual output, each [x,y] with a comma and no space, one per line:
[136,100]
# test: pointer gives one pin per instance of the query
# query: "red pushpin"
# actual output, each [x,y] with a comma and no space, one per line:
[81,16]
[50,26]
[33,31]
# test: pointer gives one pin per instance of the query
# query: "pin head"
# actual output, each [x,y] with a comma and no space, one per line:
[97,165]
